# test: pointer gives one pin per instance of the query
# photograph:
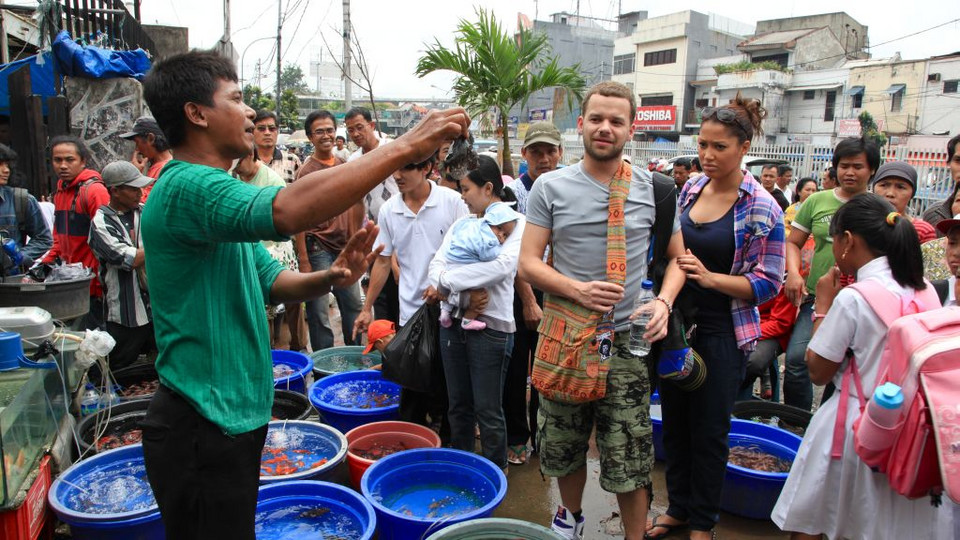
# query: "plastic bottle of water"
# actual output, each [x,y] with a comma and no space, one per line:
[89,400]
[883,413]
[638,326]
[655,410]
[109,397]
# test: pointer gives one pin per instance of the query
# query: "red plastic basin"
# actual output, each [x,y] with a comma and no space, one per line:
[388,433]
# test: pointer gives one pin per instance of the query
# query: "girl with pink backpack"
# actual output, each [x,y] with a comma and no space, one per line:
[830,490]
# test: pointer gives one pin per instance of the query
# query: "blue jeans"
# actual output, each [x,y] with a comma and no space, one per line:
[475,365]
[318,310]
[797,389]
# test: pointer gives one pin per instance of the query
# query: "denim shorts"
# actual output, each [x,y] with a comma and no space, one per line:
[622,418]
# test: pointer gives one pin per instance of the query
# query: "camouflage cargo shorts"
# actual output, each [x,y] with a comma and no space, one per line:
[624,432]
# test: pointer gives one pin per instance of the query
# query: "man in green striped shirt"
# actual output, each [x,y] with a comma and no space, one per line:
[209,279]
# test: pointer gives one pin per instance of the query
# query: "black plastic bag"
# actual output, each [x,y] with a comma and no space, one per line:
[408,359]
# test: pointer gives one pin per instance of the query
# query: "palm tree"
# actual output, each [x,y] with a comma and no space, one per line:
[497,71]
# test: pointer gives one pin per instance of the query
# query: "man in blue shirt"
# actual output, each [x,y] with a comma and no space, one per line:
[20,216]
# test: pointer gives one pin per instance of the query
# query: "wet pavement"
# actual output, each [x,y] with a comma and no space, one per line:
[531,498]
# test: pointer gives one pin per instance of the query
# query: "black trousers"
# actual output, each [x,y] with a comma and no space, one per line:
[387,305]
[416,406]
[520,415]
[205,481]
[131,342]
[695,429]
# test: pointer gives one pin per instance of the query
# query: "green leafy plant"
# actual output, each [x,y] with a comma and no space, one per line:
[745,65]
[869,129]
[496,71]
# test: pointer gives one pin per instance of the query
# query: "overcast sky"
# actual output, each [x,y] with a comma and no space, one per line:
[394,33]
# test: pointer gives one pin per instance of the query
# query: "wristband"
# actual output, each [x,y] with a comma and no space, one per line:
[814,316]
[666,303]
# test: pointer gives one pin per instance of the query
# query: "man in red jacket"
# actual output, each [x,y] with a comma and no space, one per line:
[776,324]
[80,193]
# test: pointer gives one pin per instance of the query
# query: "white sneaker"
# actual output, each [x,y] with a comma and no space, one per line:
[566,526]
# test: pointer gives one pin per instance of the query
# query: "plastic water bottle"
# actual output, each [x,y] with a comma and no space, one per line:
[883,413]
[89,400]
[638,326]
[13,251]
[655,410]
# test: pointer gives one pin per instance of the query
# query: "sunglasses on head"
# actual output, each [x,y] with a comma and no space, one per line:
[724,115]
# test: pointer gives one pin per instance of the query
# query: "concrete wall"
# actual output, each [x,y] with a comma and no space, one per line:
[690,33]
[877,77]
[101,110]
[940,112]
[170,40]
[592,48]
[853,37]
[818,50]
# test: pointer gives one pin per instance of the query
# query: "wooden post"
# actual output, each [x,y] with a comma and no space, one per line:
[28,131]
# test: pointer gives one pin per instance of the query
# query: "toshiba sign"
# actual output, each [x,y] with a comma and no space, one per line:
[656,118]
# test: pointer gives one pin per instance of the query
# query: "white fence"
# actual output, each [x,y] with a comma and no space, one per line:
[934,180]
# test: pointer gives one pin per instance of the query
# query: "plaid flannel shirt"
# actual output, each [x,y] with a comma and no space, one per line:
[760,252]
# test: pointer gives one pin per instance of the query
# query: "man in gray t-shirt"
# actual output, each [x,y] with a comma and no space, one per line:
[568,209]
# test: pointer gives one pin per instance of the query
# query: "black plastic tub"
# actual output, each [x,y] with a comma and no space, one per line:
[786,417]
[290,405]
[117,421]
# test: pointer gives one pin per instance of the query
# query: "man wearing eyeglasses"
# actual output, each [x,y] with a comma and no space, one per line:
[362,130]
[265,132]
[325,241]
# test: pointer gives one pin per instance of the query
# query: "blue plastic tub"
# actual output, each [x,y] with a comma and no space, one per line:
[301,365]
[107,497]
[418,492]
[313,449]
[749,493]
[355,398]
[307,509]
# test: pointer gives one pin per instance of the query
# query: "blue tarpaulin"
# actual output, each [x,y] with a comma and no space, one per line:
[76,61]
[41,78]
[95,63]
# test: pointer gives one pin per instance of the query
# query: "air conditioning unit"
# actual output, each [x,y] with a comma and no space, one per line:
[933,77]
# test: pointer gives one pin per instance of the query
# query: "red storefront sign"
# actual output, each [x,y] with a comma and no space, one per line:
[656,118]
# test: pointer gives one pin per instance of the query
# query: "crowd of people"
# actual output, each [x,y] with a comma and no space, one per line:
[211,246]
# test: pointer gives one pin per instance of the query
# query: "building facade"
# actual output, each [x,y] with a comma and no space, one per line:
[658,60]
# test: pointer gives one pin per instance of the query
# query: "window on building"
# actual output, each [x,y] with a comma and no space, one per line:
[778,58]
[896,92]
[656,100]
[623,63]
[809,94]
[701,103]
[950,87]
[857,101]
[831,104]
[657,58]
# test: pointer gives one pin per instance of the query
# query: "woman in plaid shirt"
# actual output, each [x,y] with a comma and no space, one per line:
[733,231]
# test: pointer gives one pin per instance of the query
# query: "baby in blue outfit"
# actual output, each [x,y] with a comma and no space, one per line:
[476,240]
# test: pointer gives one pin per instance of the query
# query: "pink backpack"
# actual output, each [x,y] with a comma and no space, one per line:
[922,356]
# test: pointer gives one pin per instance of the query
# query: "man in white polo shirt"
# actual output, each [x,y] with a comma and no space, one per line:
[412,225]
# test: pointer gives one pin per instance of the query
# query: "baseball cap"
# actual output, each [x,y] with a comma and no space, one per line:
[378,329]
[499,213]
[143,126]
[945,225]
[124,173]
[542,132]
[897,169]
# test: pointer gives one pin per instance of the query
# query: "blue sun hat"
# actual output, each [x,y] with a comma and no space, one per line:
[499,213]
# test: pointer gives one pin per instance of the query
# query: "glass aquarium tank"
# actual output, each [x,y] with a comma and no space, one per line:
[32,403]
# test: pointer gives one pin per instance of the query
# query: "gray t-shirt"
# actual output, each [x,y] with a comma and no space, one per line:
[574,207]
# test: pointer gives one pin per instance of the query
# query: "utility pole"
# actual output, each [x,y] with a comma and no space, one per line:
[347,84]
[279,26]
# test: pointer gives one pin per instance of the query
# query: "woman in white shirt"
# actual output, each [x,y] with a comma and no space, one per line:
[475,361]
[844,498]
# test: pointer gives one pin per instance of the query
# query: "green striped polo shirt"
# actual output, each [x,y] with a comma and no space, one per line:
[209,279]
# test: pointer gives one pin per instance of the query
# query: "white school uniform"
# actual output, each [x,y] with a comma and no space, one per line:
[844,498]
